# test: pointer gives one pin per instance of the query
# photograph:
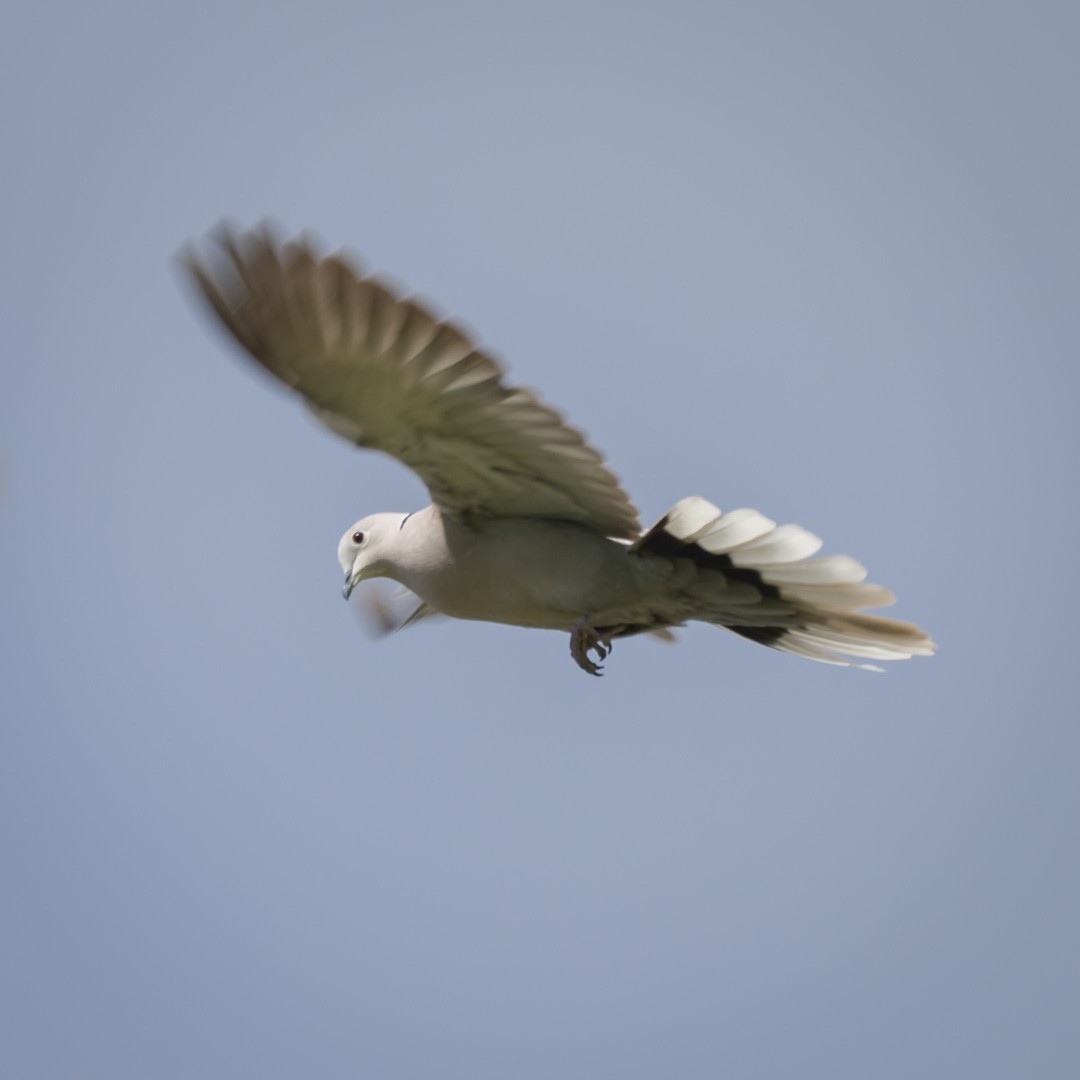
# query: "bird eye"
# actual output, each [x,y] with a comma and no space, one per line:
[357,537]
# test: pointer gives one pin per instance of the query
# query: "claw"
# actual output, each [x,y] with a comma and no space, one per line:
[583,639]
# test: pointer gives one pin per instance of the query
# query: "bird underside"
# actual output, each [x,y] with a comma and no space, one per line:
[740,572]
[387,615]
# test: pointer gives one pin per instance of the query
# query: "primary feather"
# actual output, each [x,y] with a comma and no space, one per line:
[386,374]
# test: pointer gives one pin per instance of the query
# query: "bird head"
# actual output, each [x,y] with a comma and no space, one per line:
[364,549]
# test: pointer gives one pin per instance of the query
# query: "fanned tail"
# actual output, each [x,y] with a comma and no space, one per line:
[759,580]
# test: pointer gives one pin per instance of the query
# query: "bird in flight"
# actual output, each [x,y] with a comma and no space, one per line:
[527,526]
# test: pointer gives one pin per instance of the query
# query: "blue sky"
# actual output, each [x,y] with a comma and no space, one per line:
[815,259]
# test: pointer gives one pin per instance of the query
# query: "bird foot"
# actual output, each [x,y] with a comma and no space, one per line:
[583,640]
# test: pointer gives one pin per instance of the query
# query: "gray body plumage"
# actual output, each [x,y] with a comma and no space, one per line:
[519,571]
[527,527]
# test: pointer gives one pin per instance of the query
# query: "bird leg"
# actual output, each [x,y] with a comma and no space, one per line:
[583,639]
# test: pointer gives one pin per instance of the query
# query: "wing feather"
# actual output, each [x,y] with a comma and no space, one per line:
[385,373]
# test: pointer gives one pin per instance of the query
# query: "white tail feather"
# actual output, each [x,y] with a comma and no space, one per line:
[849,596]
[785,544]
[758,579]
[831,570]
[733,530]
[822,656]
[689,517]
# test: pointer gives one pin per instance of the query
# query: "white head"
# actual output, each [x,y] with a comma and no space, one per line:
[366,549]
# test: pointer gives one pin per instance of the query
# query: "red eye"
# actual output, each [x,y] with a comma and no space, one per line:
[357,537]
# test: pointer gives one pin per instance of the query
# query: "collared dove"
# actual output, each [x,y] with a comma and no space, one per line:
[527,525]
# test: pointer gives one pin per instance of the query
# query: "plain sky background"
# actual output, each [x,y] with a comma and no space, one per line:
[815,258]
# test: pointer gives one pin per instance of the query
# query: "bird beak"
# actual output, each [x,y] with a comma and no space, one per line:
[350,584]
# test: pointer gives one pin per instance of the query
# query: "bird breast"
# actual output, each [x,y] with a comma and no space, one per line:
[524,572]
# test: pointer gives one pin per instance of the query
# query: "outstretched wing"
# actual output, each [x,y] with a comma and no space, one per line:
[385,373]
